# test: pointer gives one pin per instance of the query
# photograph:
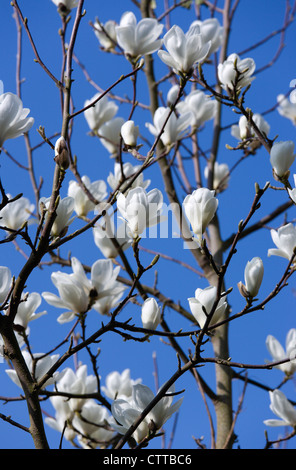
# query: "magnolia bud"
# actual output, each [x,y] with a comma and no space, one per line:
[62,153]
[130,133]
[253,277]
[150,314]
[281,158]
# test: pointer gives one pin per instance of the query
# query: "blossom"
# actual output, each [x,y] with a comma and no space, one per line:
[91,424]
[13,117]
[184,50]
[203,301]
[212,32]
[64,213]
[221,176]
[285,240]
[281,157]
[39,365]
[292,192]
[128,171]
[119,385]
[26,309]
[174,127]
[278,353]
[106,34]
[5,283]
[151,314]
[65,6]
[106,239]
[244,129]
[63,415]
[137,39]
[202,107]
[110,135]
[140,209]
[254,271]
[82,202]
[236,72]
[102,111]
[286,108]
[281,407]
[126,411]
[200,208]
[130,133]
[16,213]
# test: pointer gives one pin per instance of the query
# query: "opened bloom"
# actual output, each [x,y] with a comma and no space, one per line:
[202,304]
[102,111]
[16,213]
[221,176]
[65,6]
[243,130]
[13,117]
[110,135]
[235,72]
[212,32]
[119,385]
[175,127]
[281,407]
[5,283]
[202,107]
[106,34]
[278,353]
[82,202]
[285,240]
[138,39]
[286,108]
[254,271]
[26,311]
[107,237]
[128,171]
[281,158]
[126,411]
[184,50]
[151,314]
[140,209]
[200,208]
[64,213]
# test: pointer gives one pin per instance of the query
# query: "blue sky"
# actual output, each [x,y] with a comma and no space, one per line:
[253,21]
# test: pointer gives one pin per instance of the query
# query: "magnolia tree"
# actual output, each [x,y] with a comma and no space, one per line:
[147,206]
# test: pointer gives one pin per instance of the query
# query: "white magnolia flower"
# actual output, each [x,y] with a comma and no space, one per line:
[286,108]
[292,192]
[204,300]
[282,157]
[63,415]
[221,176]
[174,128]
[26,309]
[77,383]
[281,407]
[16,213]
[151,314]
[228,72]
[278,353]
[172,95]
[5,283]
[106,34]
[38,366]
[105,234]
[91,423]
[243,130]
[130,133]
[200,208]
[13,117]
[64,213]
[140,209]
[102,111]
[184,50]
[119,385]
[202,107]
[126,411]
[68,4]
[128,170]
[212,32]
[138,39]
[285,240]
[254,271]
[82,203]
[110,135]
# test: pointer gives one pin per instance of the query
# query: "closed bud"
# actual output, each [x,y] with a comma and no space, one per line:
[62,153]
[254,271]
[150,314]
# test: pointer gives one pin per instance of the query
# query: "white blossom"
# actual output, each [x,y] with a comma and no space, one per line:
[278,353]
[91,423]
[26,310]
[64,213]
[174,128]
[243,130]
[106,34]
[138,39]
[110,135]
[82,202]
[200,208]
[202,107]
[221,176]
[184,50]
[286,108]
[212,32]
[228,72]
[13,117]
[130,133]
[140,209]
[281,407]
[63,415]
[65,6]
[292,192]
[282,157]
[104,233]
[254,271]
[128,171]
[16,213]
[204,299]
[119,385]
[100,113]
[5,283]
[285,240]
[151,314]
